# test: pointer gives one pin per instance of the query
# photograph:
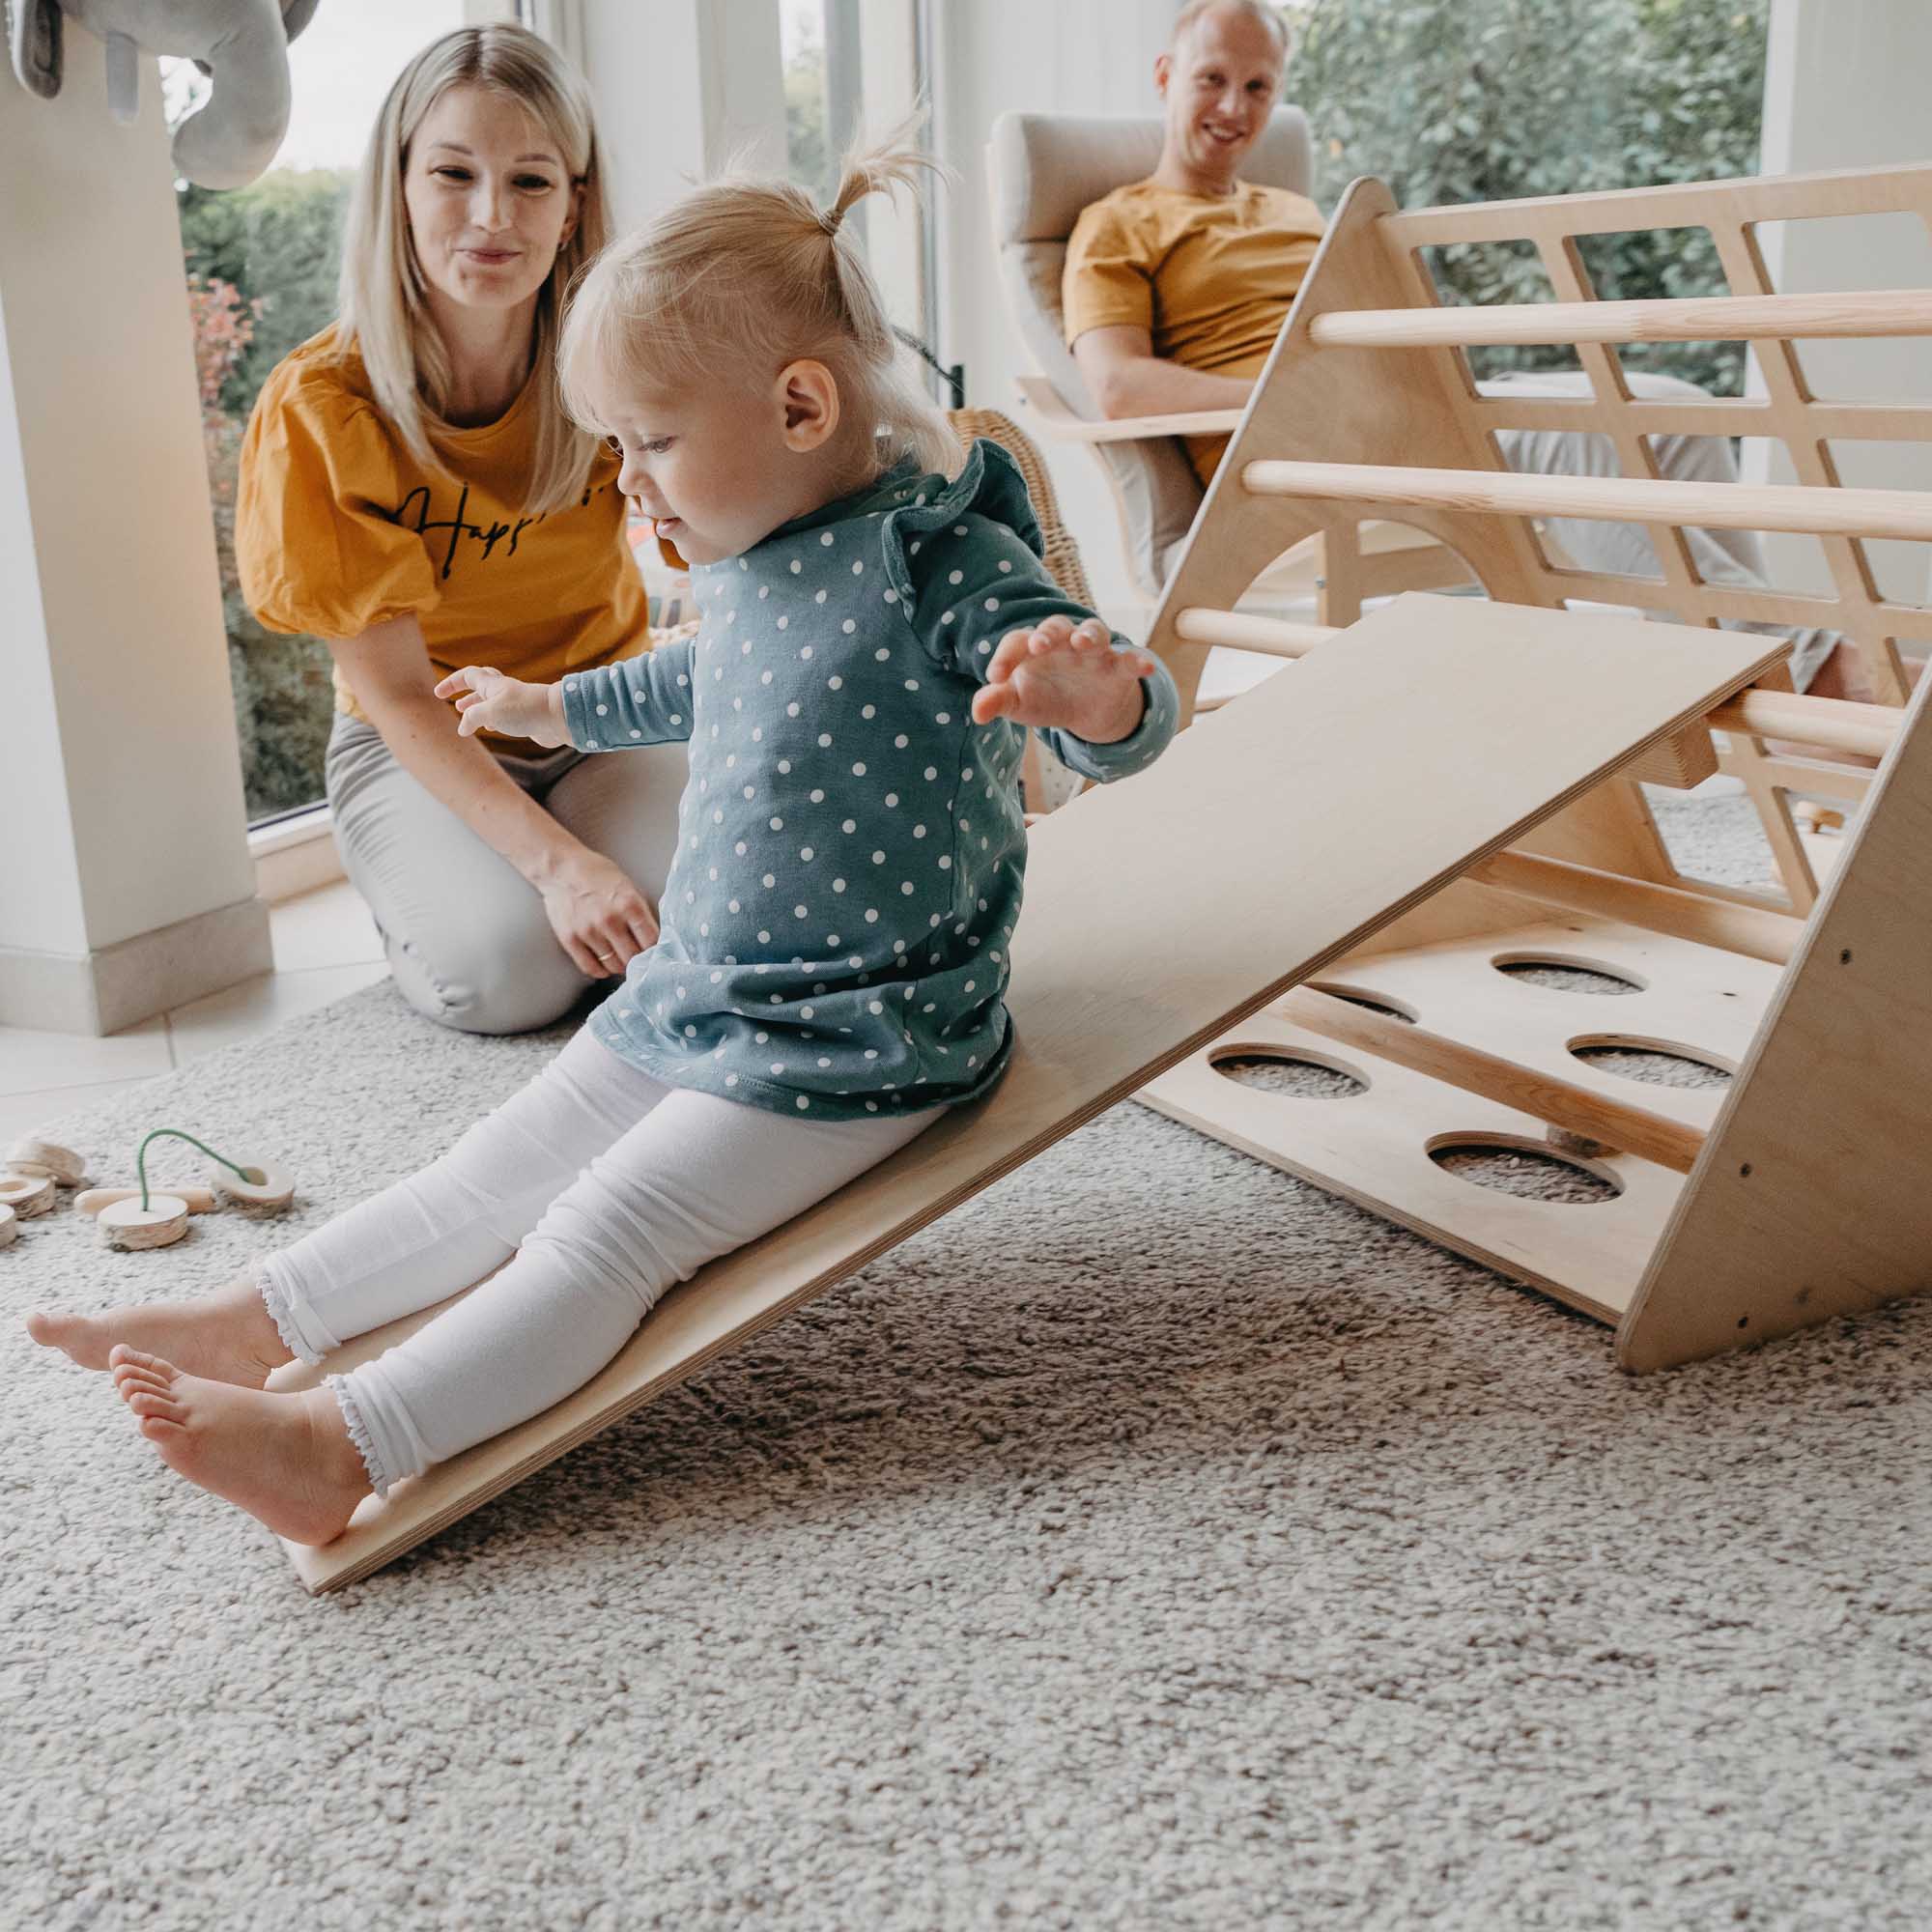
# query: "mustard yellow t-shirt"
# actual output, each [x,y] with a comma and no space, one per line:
[1211,278]
[338,527]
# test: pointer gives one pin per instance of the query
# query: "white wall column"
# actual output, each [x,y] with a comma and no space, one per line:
[125,885]
[1844,88]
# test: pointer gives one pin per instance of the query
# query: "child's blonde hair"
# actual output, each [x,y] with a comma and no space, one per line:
[749,273]
[384,317]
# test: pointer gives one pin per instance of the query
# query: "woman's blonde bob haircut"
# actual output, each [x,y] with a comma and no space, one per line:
[384,317]
[744,275]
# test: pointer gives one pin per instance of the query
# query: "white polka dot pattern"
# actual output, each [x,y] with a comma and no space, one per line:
[848,879]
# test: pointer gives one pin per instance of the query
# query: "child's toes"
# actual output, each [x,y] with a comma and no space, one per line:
[128,1378]
[147,1403]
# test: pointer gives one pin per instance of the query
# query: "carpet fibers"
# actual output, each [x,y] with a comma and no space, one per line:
[1154,1542]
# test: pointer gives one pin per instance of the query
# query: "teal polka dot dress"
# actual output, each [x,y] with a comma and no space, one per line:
[835,926]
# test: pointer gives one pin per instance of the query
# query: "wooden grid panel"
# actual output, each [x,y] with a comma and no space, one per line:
[1787,415]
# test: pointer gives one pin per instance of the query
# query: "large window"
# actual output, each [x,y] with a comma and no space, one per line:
[261,265]
[1454,100]
[855,68]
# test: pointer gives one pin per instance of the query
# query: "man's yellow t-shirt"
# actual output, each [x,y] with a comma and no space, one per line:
[337,527]
[1211,278]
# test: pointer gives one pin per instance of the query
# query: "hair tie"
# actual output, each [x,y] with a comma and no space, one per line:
[829,219]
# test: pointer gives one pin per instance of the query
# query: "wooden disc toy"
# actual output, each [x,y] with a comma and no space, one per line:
[10,1224]
[197,1200]
[31,1155]
[27,1194]
[127,1224]
[257,1190]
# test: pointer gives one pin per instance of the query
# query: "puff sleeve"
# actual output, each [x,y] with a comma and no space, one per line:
[318,546]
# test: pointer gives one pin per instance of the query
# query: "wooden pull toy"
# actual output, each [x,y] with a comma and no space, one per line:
[136,1218]
[27,1194]
[196,1200]
[46,1159]
[255,1190]
[144,1221]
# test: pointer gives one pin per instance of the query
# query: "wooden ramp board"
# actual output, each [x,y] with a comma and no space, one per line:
[1159,912]
[1813,1194]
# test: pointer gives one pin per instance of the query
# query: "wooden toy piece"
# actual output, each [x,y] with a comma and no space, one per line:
[1311,748]
[257,1190]
[10,1225]
[127,1224]
[1816,817]
[30,1155]
[27,1194]
[196,1200]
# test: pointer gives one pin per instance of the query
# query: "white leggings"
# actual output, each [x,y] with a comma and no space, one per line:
[599,1187]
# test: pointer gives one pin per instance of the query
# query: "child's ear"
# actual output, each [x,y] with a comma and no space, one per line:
[807,398]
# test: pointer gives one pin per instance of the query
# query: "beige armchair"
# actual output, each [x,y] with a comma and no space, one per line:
[1044,169]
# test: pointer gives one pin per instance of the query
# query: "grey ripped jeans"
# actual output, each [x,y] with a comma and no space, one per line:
[466,933]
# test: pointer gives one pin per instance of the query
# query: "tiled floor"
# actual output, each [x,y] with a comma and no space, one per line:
[326,946]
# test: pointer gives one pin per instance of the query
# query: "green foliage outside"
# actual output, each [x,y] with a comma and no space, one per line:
[261,262]
[1457,101]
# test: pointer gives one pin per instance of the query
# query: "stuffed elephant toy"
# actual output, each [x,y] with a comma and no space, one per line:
[243,44]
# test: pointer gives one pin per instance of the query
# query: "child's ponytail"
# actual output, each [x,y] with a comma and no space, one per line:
[752,270]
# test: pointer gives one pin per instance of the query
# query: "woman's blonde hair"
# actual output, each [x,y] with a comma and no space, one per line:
[384,317]
[745,275]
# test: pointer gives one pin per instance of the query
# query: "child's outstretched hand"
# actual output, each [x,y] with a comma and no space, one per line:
[488,700]
[1058,675]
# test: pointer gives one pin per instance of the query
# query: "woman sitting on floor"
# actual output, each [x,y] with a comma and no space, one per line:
[413,490]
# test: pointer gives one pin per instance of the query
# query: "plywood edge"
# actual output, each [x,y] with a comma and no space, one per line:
[1810,1198]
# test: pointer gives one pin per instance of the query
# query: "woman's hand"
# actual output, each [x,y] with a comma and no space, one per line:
[1073,679]
[599,916]
[487,700]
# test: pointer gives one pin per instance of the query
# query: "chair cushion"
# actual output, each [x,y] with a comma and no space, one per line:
[1044,169]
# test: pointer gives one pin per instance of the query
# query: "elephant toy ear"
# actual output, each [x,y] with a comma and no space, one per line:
[295,15]
[34,38]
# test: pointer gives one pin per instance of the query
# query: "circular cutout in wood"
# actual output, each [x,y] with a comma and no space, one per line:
[1295,1074]
[1509,1164]
[1362,996]
[1567,973]
[1657,1062]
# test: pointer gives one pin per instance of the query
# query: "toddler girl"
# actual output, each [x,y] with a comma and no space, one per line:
[877,630]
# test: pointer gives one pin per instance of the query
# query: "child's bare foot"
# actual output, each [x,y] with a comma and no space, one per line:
[287,1459]
[228,1336]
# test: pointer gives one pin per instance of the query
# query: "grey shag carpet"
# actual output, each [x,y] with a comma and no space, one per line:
[1154,1541]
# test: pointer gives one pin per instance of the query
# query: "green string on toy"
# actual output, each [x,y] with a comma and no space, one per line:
[252,1175]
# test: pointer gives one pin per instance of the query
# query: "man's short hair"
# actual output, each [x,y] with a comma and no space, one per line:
[1271,18]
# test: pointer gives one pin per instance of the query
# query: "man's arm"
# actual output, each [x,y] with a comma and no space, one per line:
[1126,378]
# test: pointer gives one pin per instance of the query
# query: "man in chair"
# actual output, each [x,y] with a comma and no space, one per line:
[1176,288]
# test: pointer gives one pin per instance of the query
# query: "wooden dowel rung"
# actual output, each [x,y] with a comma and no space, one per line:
[1800,508]
[1668,909]
[1623,1125]
[1276,637]
[1864,312]
[1832,723]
